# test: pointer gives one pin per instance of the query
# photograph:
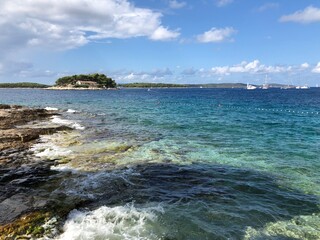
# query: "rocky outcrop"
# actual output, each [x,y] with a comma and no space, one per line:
[12,115]
[29,189]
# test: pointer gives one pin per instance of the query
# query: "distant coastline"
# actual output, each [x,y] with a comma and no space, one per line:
[207,85]
[25,85]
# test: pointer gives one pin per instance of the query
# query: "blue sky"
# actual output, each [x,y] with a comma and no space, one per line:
[172,41]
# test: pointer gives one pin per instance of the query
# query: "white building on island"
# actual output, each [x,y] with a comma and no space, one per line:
[88,83]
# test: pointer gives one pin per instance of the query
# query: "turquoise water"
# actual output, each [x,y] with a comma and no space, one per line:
[190,163]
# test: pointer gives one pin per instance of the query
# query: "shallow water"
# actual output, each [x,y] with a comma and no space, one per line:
[187,163]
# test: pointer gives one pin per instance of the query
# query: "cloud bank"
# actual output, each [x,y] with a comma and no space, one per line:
[72,23]
[249,70]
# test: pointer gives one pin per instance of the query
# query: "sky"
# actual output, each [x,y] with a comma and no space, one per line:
[168,41]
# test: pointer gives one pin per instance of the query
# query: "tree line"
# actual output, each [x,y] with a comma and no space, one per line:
[23,85]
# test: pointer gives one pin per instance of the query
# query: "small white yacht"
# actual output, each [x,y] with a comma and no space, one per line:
[250,87]
[305,87]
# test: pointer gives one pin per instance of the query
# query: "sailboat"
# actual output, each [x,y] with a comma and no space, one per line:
[265,85]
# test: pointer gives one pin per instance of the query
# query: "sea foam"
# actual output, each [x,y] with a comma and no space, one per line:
[51,109]
[48,149]
[72,111]
[121,222]
[66,122]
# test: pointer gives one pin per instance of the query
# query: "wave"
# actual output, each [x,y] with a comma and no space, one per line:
[120,222]
[66,122]
[51,109]
[47,149]
[72,111]
[64,168]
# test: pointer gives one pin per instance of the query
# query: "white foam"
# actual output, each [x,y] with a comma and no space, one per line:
[58,120]
[49,150]
[121,222]
[51,109]
[75,125]
[63,168]
[72,111]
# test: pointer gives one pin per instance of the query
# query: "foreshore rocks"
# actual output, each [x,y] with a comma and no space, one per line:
[12,115]
[29,193]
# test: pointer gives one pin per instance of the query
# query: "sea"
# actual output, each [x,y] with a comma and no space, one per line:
[179,164]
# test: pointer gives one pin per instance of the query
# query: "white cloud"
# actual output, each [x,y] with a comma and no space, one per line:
[73,23]
[316,69]
[164,34]
[249,67]
[176,4]
[305,65]
[222,3]
[308,15]
[221,70]
[216,35]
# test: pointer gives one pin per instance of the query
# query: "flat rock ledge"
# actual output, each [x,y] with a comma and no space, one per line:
[29,189]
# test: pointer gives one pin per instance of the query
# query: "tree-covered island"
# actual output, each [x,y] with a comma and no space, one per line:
[85,81]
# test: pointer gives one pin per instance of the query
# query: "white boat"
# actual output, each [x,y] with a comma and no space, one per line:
[250,87]
[287,87]
[303,87]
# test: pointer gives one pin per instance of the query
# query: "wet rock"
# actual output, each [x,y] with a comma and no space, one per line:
[13,207]
[11,116]
[26,183]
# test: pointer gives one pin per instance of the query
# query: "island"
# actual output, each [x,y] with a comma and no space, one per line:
[94,81]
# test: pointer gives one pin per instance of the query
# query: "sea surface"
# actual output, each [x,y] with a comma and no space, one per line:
[185,164]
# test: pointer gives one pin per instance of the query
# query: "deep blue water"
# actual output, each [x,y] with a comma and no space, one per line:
[192,163]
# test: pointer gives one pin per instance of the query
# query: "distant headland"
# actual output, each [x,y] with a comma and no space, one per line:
[23,85]
[206,85]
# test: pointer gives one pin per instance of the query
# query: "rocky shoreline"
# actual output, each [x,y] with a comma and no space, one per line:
[29,189]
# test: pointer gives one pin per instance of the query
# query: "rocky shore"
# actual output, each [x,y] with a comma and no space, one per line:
[29,189]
